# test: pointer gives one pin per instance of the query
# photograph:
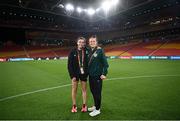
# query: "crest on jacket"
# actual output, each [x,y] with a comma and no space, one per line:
[95,54]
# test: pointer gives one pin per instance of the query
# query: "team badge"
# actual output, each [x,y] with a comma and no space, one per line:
[95,54]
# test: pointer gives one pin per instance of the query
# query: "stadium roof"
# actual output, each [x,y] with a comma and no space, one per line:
[55,15]
[87,10]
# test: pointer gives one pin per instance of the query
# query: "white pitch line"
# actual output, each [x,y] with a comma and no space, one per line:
[134,77]
[28,93]
[51,88]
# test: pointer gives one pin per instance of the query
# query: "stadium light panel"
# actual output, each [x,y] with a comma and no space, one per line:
[106,5]
[69,7]
[91,11]
[114,2]
[61,5]
[79,10]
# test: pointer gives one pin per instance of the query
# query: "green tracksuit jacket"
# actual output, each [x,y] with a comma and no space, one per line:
[98,64]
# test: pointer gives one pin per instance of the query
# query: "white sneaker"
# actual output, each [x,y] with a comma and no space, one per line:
[91,108]
[95,113]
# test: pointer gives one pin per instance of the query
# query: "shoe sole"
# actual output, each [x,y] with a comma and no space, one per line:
[95,115]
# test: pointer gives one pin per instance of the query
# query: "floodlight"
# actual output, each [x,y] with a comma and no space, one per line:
[91,11]
[106,5]
[69,7]
[79,10]
[61,5]
[114,2]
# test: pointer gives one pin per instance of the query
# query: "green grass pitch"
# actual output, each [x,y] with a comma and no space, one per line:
[136,89]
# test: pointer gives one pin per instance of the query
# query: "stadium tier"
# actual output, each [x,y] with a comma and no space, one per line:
[117,50]
[12,51]
[61,52]
[151,48]
[169,48]
[33,51]
[39,51]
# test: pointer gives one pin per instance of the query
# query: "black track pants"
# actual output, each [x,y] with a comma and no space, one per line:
[96,89]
